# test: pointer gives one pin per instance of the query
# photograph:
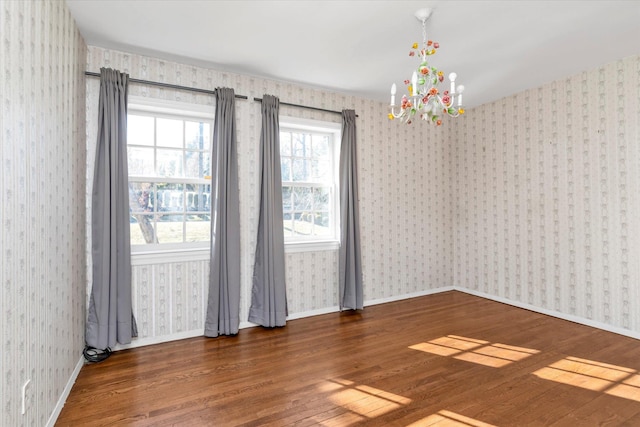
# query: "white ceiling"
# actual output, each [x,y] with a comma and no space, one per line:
[497,48]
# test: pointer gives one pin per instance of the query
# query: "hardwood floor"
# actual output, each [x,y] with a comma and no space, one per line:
[449,359]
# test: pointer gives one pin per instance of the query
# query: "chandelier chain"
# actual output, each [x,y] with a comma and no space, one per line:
[424,33]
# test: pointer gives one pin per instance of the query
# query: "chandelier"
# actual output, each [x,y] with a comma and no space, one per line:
[425,99]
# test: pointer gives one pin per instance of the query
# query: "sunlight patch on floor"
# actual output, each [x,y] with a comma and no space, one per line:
[596,376]
[360,399]
[476,351]
[344,419]
[449,419]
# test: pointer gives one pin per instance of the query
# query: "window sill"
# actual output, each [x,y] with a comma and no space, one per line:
[203,254]
[169,255]
[330,245]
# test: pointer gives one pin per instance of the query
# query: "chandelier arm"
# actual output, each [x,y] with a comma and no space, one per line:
[397,115]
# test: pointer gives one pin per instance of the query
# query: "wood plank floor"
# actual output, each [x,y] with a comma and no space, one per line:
[449,359]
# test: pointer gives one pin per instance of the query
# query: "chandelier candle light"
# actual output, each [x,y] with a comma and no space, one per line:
[424,97]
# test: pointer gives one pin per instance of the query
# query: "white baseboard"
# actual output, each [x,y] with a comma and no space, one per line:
[246,324]
[407,296]
[135,342]
[553,313]
[334,309]
[367,303]
[65,393]
[310,313]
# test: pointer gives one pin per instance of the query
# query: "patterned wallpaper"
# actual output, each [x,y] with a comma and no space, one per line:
[405,192]
[42,215]
[547,211]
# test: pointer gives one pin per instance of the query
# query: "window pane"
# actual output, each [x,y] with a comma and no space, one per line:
[320,146]
[321,224]
[196,135]
[198,228]
[207,197]
[285,165]
[288,224]
[286,199]
[169,163]
[302,199]
[140,161]
[169,132]
[321,199]
[301,170]
[142,230]
[198,197]
[285,144]
[139,130]
[170,197]
[170,228]
[303,224]
[141,197]
[320,171]
[301,146]
[206,134]
[198,164]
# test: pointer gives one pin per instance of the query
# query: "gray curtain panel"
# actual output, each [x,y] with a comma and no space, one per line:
[268,295]
[110,318]
[223,308]
[349,259]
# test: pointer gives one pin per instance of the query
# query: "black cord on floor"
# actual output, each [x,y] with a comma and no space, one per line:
[95,355]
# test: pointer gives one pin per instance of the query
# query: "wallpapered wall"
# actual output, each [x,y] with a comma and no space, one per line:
[42,215]
[405,199]
[547,211]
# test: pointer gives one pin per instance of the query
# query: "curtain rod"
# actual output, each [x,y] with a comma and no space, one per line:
[211,92]
[304,106]
[168,85]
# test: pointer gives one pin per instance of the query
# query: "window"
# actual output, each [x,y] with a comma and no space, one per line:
[169,183]
[309,157]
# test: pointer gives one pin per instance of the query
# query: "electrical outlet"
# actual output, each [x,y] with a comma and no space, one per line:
[24,396]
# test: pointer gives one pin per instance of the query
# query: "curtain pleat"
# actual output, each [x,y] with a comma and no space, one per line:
[349,259]
[223,307]
[268,294]
[110,317]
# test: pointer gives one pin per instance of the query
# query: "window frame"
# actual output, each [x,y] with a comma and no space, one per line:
[143,106]
[333,129]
